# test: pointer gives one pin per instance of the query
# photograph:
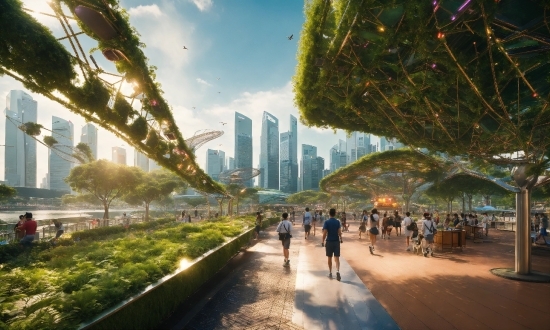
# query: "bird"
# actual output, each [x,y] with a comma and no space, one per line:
[291,36]
[185,47]
[221,122]
[218,78]
[219,92]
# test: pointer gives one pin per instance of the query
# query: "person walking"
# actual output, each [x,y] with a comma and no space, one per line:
[316,218]
[428,230]
[284,229]
[19,234]
[363,224]
[258,225]
[485,223]
[397,225]
[307,223]
[196,213]
[373,231]
[332,238]
[29,228]
[407,223]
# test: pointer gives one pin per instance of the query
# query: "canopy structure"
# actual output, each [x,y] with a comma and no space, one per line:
[461,77]
[238,176]
[201,137]
[401,170]
[126,101]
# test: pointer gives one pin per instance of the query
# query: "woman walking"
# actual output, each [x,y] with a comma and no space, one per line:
[373,231]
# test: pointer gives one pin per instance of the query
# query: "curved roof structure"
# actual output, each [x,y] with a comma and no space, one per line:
[201,137]
[238,175]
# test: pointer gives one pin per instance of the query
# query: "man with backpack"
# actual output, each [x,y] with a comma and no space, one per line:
[409,225]
[284,228]
[428,230]
[332,232]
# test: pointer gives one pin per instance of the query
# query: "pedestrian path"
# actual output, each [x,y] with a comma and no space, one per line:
[325,303]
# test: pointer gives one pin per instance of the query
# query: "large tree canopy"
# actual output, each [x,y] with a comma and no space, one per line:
[6,192]
[31,54]
[463,77]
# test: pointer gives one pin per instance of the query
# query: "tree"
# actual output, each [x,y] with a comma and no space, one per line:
[6,192]
[309,197]
[240,192]
[194,201]
[87,199]
[152,186]
[104,180]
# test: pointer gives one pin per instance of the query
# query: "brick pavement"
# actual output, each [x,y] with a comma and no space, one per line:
[259,294]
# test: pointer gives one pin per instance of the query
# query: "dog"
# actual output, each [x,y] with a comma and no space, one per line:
[417,242]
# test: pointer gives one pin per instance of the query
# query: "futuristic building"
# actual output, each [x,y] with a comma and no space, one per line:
[269,152]
[20,150]
[338,156]
[59,168]
[89,136]
[214,163]
[243,143]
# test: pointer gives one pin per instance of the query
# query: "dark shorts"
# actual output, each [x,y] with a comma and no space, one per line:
[59,233]
[307,228]
[332,248]
[257,229]
[27,240]
[429,238]
[286,243]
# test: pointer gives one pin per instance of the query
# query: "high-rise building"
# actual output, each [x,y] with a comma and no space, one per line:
[119,155]
[213,163]
[89,136]
[358,144]
[326,172]
[59,168]
[289,158]
[311,168]
[230,163]
[45,182]
[141,161]
[386,144]
[20,150]
[243,143]
[153,166]
[222,160]
[269,152]
[338,156]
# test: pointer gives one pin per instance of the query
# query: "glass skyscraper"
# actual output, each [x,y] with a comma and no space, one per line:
[119,155]
[214,164]
[269,152]
[243,143]
[89,136]
[289,158]
[20,150]
[59,168]
[141,161]
[311,168]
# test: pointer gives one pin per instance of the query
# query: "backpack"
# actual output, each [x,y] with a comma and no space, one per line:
[391,222]
[412,226]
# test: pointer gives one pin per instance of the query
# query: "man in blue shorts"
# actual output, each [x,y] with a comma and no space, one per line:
[332,232]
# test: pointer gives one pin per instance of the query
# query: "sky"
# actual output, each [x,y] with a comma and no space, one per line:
[238,58]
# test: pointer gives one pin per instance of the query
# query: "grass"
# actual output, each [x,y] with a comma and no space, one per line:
[89,272]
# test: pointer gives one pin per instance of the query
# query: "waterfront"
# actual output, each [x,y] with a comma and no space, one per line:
[13,216]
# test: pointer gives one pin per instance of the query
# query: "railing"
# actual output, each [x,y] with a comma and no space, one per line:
[46,229]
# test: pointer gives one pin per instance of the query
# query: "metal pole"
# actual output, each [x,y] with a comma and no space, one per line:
[523,232]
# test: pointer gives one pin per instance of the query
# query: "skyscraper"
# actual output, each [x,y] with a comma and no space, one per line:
[311,168]
[269,152]
[338,156]
[243,143]
[89,136]
[141,161]
[389,144]
[358,144]
[289,158]
[223,167]
[213,163]
[20,150]
[119,155]
[59,168]
[230,163]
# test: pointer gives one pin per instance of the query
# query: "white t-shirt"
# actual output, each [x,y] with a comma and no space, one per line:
[426,226]
[284,226]
[307,218]
[375,222]
[407,221]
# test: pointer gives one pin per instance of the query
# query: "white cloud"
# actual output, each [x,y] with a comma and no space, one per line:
[203,5]
[151,11]
[203,82]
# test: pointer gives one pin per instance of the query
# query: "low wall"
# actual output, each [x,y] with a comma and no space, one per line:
[150,308]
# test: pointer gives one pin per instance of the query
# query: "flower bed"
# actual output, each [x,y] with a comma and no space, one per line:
[76,281]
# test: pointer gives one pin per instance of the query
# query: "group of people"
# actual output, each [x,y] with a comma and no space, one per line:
[25,229]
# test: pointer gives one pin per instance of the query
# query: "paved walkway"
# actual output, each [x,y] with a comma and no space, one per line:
[390,290]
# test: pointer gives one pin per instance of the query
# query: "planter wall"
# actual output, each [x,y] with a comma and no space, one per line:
[149,309]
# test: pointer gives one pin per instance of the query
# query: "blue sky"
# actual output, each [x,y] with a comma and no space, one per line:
[242,42]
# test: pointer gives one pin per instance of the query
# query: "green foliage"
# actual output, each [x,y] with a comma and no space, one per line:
[138,129]
[64,286]
[194,201]
[432,78]
[86,150]
[32,129]
[50,141]
[308,197]
[7,192]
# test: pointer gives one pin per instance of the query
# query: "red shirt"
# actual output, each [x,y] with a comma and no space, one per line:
[29,227]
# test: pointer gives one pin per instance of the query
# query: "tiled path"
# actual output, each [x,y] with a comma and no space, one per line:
[452,290]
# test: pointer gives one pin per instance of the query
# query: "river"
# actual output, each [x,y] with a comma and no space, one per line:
[13,216]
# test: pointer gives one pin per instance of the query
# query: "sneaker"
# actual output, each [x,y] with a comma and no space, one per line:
[371,249]
[426,254]
[338,278]
[330,275]
[288,262]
